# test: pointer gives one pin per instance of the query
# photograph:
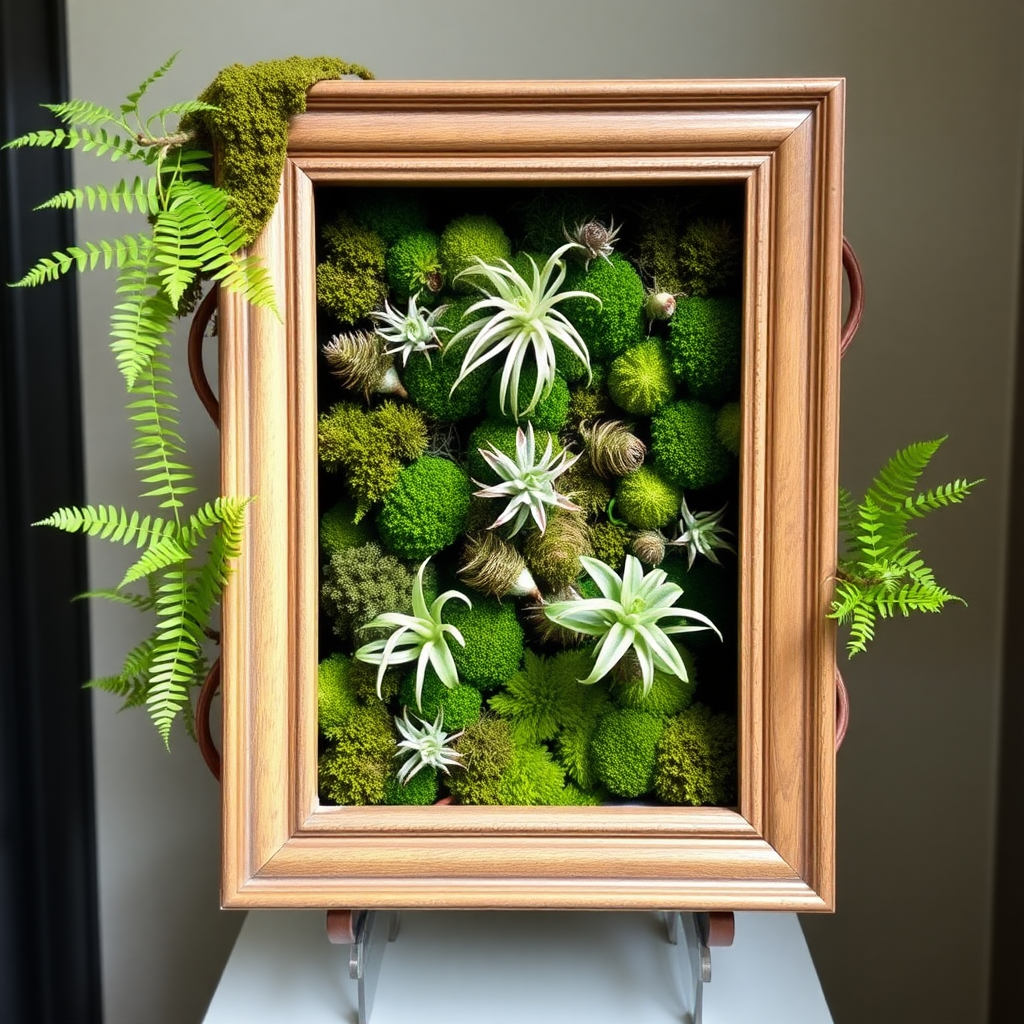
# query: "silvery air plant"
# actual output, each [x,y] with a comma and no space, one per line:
[413,331]
[523,319]
[700,534]
[528,482]
[594,239]
[424,746]
[628,616]
[358,360]
[420,637]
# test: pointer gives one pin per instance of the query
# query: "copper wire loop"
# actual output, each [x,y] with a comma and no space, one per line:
[196,335]
[211,755]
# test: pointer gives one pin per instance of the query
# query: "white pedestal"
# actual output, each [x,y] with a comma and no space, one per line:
[509,967]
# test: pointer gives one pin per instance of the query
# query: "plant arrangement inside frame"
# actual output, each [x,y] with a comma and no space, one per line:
[528,437]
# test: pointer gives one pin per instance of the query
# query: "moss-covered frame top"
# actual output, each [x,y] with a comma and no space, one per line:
[782,141]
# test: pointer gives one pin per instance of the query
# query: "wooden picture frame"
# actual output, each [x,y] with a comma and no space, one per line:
[782,142]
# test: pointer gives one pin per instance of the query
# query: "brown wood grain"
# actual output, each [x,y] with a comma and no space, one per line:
[782,141]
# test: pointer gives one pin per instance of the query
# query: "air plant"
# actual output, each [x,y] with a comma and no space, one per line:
[700,534]
[528,481]
[627,617]
[359,362]
[659,305]
[424,745]
[414,331]
[613,448]
[420,637]
[493,566]
[523,318]
[594,239]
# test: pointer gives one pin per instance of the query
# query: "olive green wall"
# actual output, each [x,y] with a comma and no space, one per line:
[933,205]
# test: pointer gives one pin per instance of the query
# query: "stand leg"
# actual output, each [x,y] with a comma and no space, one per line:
[692,931]
[367,932]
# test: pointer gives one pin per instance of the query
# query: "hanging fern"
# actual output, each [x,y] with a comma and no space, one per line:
[879,574]
[185,557]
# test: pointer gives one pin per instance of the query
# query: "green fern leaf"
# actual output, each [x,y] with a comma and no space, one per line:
[165,552]
[899,476]
[118,252]
[141,323]
[80,112]
[948,494]
[186,107]
[132,103]
[110,523]
[140,602]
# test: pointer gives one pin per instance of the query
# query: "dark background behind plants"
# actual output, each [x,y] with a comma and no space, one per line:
[934,182]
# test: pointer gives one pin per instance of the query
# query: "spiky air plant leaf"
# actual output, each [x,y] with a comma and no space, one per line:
[627,617]
[614,450]
[523,320]
[409,332]
[546,630]
[594,239]
[701,534]
[420,637]
[493,566]
[424,746]
[527,481]
[359,362]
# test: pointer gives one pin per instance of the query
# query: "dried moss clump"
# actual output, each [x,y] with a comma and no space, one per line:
[361,583]
[250,126]
[696,759]
[350,281]
[554,555]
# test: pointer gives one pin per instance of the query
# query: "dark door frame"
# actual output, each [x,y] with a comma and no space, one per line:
[49,931]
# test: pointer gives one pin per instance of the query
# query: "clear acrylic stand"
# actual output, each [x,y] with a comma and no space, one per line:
[367,932]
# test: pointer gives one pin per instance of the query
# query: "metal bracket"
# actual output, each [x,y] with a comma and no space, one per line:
[695,931]
[367,932]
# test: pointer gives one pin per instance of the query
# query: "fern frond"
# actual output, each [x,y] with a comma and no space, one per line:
[862,629]
[181,109]
[110,523]
[177,650]
[948,494]
[141,323]
[131,105]
[165,552]
[898,477]
[185,161]
[916,597]
[226,546]
[80,112]
[132,682]
[847,513]
[117,252]
[131,196]
[140,602]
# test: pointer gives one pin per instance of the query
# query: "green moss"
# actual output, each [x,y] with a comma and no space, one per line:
[430,383]
[704,344]
[486,748]
[467,239]
[554,555]
[335,694]
[419,791]
[573,796]
[611,542]
[494,641]
[587,403]
[645,500]
[696,759]
[426,509]
[369,447]
[610,327]
[337,529]
[533,778]
[548,215]
[355,767]
[358,584]
[623,749]
[709,256]
[501,434]
[668,694]
[363,678]
[550,413]
[412,265]
[728,427]
[685,445]
[658,244]
[545,696]
[640,380]
[350,281]
[249,129]
[585,488]
[461,703]
[390,212]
